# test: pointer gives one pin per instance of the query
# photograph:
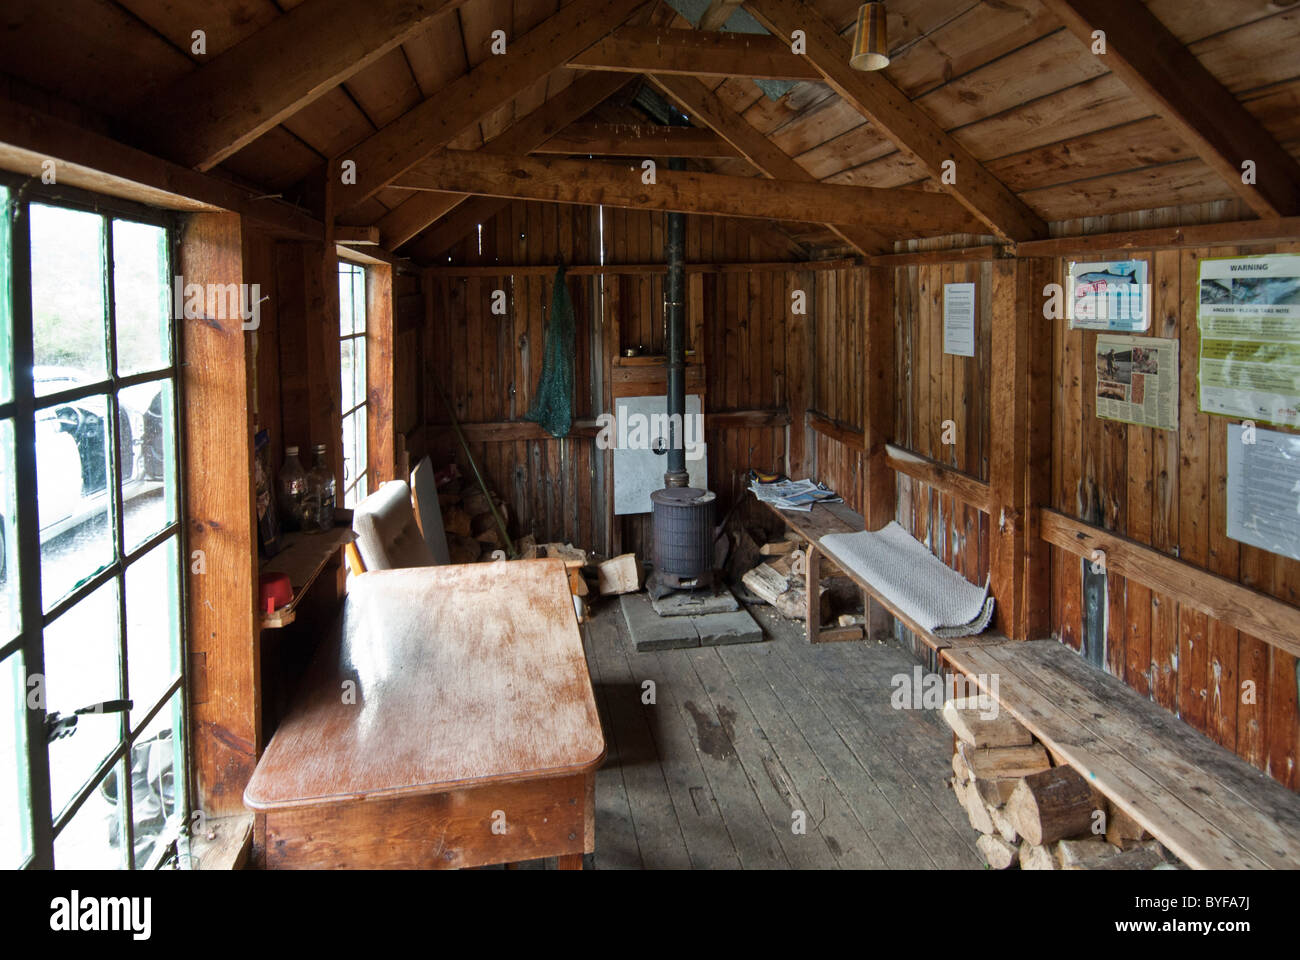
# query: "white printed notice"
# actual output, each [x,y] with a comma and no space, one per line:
[959,319]
[1264,489]
[1249,318]
[1137,380]
[1109,296]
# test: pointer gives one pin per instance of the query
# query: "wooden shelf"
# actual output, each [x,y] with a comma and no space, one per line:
[303,558]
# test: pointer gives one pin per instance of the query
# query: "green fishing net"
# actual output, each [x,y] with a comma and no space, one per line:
[552,405]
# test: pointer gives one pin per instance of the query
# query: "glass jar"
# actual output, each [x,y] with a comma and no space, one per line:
[319,510]
[293,489]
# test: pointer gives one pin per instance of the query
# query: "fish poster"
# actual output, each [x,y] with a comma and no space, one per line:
[1137,380]
[1248,313]
[1109,296]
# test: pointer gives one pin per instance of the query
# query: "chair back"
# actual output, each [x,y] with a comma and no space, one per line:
[387,535]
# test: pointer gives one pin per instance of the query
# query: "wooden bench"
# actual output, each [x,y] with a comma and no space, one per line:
[826,518]
[1205,804]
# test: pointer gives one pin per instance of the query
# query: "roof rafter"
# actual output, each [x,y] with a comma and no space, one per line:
[413,215]
[910,128]
[225,104]
[769,159]
[1168,77]
[435,122]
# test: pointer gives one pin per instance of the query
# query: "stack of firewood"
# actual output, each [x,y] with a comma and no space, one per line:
[472,531]
[1032,811]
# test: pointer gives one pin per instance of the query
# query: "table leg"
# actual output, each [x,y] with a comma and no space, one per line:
[569,861]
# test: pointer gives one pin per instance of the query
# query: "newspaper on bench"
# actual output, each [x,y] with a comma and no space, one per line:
[794,494]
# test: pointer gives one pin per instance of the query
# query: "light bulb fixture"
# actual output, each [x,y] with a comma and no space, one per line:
[870,39]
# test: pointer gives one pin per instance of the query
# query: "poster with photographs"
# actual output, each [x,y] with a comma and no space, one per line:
[1137,380]
[1109,296]
[1248,313]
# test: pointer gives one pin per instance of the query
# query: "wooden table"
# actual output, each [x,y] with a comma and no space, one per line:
[450,724]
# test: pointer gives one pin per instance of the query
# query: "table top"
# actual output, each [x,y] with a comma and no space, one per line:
[462,675]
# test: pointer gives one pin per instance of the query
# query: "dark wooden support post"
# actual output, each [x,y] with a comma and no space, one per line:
[1036,605]
[381,375]
[880,484]
[220,517]
[1019,435]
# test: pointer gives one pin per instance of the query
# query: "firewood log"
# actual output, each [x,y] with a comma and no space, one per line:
[967,719]
[1053,804]
[1036,857]
[1122,830]
[622,574]
[997,853]
[990,763]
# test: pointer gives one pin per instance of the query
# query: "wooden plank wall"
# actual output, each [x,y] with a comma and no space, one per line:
[1168,490]
[933,387]
[490,365]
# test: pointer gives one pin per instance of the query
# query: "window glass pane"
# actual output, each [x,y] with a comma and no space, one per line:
[359,299]
[345,301]
[152,630]
[9,611]
[349,451]
[73,502]
[92,840]
[67,298]
[148,460]
[6,299]
[359,369]
[15,816]
[81,668]
[347,378]
[361,442]
[140,297]
[157,793]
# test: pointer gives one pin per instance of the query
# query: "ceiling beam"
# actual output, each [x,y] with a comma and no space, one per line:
[718,13]
[765,156]
[690,53]
[905,213]
[1168,77]
[637,140]
[225,104]
[910,128]
[394,149]
[586,93]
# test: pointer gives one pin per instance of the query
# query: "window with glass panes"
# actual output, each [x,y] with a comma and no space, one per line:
[352,367]
[92,758]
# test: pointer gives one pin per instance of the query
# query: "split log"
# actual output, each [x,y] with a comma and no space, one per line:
[571,555]
[997,853]
[1002,823]
[1052,805]
[1145,856]
[976,811]
[991,763]
[967,719]
[491,536]
[459,522]
[778,548]
[1036,857]
[462,549]
[1084,854]
[960,768]
[619,575]
[995,792]
[765,583]
[526,546]
[1122,830]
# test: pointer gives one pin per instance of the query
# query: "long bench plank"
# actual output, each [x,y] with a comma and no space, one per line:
[1208,806]
[826,518]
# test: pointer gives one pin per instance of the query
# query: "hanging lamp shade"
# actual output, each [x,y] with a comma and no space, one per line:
[870,41]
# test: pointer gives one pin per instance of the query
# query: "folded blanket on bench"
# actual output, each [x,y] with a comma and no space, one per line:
[913,579]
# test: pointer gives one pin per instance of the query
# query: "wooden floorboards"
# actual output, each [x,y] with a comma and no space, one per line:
[741,741]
